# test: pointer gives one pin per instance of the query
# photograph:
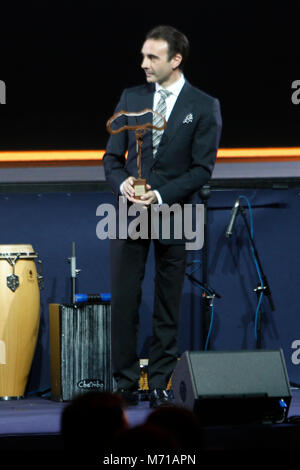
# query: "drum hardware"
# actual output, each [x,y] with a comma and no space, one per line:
[40,275]
[74,273]
[12,280]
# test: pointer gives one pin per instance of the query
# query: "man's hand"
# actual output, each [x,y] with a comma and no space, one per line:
[148,198]
[128,190]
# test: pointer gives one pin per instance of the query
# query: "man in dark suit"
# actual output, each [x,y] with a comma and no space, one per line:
[176,163]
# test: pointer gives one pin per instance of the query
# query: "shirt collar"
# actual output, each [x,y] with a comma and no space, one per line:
[175,88]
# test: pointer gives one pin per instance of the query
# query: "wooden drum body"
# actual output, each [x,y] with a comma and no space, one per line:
[19,317]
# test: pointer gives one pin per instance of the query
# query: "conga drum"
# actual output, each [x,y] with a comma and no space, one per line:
[19,317]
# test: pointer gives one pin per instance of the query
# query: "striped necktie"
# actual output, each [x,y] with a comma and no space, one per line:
[157,121]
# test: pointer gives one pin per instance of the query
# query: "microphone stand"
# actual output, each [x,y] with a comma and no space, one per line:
[206,298]
[209,294]
[210,290]
[265,288]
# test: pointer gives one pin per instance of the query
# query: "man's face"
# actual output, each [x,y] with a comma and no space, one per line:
[156,64]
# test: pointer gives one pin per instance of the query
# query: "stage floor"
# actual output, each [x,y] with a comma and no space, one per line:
[34,424]
[42,416]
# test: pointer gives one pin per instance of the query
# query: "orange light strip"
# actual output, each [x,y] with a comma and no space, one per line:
[94,157]
[259,154]
[51,156]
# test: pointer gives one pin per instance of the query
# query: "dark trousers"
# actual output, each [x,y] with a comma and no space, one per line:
[128,260]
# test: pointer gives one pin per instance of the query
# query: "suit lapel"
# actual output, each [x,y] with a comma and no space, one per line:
[145,100]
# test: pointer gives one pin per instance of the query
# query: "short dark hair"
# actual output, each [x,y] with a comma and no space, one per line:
[177,42]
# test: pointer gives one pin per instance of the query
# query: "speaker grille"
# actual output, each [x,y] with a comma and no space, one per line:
[233,387]
[239,373]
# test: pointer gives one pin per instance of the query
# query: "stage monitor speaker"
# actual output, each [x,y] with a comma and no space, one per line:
[237,387]
[80,349]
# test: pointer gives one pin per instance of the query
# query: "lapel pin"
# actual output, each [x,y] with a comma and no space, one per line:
[188,118]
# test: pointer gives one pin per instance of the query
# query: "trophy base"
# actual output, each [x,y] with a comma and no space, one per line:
[139,188]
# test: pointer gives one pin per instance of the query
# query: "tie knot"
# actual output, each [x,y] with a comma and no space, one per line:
[164,94]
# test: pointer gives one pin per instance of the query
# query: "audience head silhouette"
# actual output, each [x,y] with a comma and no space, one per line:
[181,422]
[91,421]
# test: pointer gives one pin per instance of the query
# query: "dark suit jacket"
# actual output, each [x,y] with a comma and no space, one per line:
[187,151]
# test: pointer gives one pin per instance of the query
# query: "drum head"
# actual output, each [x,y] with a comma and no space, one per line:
[21,251]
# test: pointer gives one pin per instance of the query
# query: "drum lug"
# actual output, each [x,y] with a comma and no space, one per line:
[40,276]
[12,282]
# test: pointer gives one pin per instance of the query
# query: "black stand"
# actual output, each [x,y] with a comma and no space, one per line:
[205,194]
[208,294]
[208,297]
[265,288]
[74,273]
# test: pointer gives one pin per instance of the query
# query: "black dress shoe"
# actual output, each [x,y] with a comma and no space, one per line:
[159,397]
[130,397]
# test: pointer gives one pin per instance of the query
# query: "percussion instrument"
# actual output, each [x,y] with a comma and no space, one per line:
[20,285]
[80,349]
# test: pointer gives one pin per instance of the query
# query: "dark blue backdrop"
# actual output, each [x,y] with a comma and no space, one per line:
[51,221]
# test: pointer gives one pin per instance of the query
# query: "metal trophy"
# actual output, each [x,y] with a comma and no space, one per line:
[140,129]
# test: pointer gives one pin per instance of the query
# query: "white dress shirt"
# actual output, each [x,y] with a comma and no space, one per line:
[175,89]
